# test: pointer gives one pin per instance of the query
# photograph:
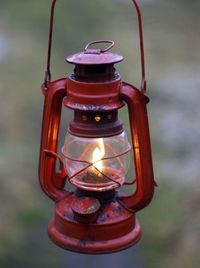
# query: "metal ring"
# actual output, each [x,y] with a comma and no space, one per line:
[102,159]
[101,41]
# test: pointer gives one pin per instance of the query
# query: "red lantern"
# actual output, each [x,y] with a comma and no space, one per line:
[95,218]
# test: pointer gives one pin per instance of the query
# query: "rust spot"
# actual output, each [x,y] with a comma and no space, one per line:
[118,210]
[83,241]
[102,220]
[91,237]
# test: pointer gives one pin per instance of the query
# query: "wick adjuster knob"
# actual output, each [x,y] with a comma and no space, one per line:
[85,209]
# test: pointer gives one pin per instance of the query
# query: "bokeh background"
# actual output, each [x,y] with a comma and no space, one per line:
[171,224]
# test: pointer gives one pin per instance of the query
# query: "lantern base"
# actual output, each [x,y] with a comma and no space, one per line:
[114,230]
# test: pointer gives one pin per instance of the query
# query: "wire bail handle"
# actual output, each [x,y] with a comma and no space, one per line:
[47,77]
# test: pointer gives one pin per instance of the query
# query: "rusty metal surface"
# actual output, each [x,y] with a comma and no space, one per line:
[85,209]
[85,205]
[94,58]
[101,95]
[115,229]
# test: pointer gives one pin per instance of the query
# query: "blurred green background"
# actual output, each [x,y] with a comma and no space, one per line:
[171,224]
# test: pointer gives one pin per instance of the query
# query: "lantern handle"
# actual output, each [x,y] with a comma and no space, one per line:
[47,77]
[141,148]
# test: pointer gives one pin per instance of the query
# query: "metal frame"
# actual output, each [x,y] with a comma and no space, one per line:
[47,77]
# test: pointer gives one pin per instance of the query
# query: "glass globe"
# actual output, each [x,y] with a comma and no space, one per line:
[96,164]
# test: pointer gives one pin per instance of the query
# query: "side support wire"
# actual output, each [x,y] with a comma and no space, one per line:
[143,83]
[47,76]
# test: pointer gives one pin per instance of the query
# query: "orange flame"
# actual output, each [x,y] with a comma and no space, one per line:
[97,155]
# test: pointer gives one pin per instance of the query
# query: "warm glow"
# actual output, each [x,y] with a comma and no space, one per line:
[98,154]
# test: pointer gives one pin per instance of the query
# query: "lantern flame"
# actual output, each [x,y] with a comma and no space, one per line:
[98,154]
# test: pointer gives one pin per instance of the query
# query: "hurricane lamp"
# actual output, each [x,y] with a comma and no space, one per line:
[95,218]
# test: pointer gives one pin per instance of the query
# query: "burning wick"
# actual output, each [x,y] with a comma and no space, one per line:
[97,155]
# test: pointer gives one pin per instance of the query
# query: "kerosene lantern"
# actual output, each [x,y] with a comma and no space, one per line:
[95,218]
